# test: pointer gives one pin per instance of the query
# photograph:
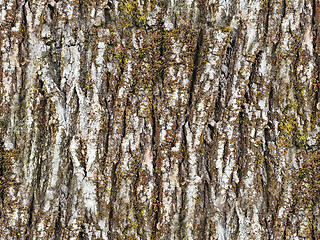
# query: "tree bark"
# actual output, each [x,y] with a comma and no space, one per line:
[156,119]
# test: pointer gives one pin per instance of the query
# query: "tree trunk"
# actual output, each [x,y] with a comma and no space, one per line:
[158,119]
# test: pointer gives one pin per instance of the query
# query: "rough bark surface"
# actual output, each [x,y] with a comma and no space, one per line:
[159,119]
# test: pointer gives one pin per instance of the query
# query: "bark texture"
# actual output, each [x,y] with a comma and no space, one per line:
[159,119]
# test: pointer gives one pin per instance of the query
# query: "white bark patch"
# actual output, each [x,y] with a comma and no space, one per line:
[148,159]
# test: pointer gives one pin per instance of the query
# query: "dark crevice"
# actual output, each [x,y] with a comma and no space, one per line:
[205,210]
[231,49]
[208,172]
[107,105]
[54,55]
[157,84]
[285,229]
[74,113]
[313,234]
[252,78]
[136,205]
[70,195]
[58,225]
[84,68]
[237,228]
[226,79]
[24,23]
[196,60]
[162,51]
[241,165]
[106,146]
[314,12]
[124,121]
[114,190]
[284,8]
[82,154]
[37,186]
[30,218]
[2,189]
[218,108]
[266,223]
[153,122]
[212,131]
[41,121]
[266,184]
[270,99]
[82,9]
[30,6]
[266,24]
[82,233]
[4,175]
[107,16]
[183,185]
[315,26]
[157,174]
[52,11]
[22,46]
[225,154]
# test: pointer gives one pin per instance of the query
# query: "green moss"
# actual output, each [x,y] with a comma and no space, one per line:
[302,173]
[136,15]
[291,133]
[142,53]
[289,126]
[259,159]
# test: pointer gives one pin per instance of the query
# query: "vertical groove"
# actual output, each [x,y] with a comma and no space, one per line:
[157,171]
[114,180]
[196,60]
[182,179]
